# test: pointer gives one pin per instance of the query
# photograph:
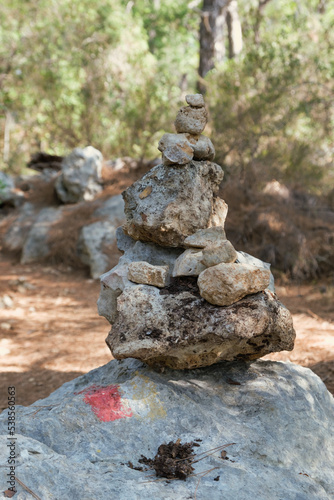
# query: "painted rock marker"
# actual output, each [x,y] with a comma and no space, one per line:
[106,402]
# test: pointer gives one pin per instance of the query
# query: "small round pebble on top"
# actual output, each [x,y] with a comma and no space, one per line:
[195,100]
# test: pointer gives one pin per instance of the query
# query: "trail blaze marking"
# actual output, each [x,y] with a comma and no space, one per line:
[106,402]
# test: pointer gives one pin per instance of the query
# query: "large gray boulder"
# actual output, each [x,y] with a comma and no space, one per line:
[18,231]
[10,195]
[36,244]
[97,241]
[176,327]
[77,443]
[170,203]
[80,178]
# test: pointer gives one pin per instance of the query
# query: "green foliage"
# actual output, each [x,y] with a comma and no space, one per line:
[80,72]
[272,109]
[112,74]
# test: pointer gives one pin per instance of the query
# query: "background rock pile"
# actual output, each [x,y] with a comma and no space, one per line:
[165,296]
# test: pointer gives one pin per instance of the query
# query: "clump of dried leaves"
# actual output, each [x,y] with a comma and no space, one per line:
[173,460]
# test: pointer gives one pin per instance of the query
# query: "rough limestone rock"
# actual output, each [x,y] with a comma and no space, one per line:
[206,237]
[164,215]
[116,280]
[189,263]
[144,273]
[191,120]
[80,178]
[97,241]
[246,258]
[216,254]
[175,149]
[279,415]
[225,284]
[36,244]
[219,212]
[182,148]
[195,100]
[189,332]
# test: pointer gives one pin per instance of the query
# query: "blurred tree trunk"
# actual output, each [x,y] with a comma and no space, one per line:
[258,19]
[215,15]
[211,37]
[234,29]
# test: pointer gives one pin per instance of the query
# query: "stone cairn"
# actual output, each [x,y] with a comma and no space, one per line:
[181,296]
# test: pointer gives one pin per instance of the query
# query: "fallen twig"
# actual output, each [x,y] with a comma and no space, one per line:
[40,408]
[27,489]
[202,475]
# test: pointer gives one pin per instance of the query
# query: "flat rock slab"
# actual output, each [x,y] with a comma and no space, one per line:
[77,443]
[158,206]
[189,332]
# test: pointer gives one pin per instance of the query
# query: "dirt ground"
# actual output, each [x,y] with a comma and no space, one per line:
[50,331]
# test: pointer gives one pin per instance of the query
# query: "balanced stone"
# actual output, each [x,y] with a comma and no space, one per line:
[209,303]
[165,216]
[147,274]
[217,254]
[175,149]
[195,100]
[191,120]
[189,263]
[202,147]
[189,332]
[225,284]
[206,237]
[180,149]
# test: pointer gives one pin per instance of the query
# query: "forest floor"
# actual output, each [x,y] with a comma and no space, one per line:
[50,331]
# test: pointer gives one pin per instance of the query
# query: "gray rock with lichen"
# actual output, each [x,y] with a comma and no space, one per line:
[278,415]
[157,206]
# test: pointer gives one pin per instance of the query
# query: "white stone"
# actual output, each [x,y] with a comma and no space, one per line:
[144,273]
[225,284]
[219,212]
[189,263]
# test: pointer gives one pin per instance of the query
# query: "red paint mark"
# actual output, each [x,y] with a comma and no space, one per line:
[106,402]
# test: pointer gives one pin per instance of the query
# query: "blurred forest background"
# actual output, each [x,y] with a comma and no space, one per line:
[113,74]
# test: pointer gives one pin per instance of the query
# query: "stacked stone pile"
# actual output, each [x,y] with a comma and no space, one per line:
[181,295]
